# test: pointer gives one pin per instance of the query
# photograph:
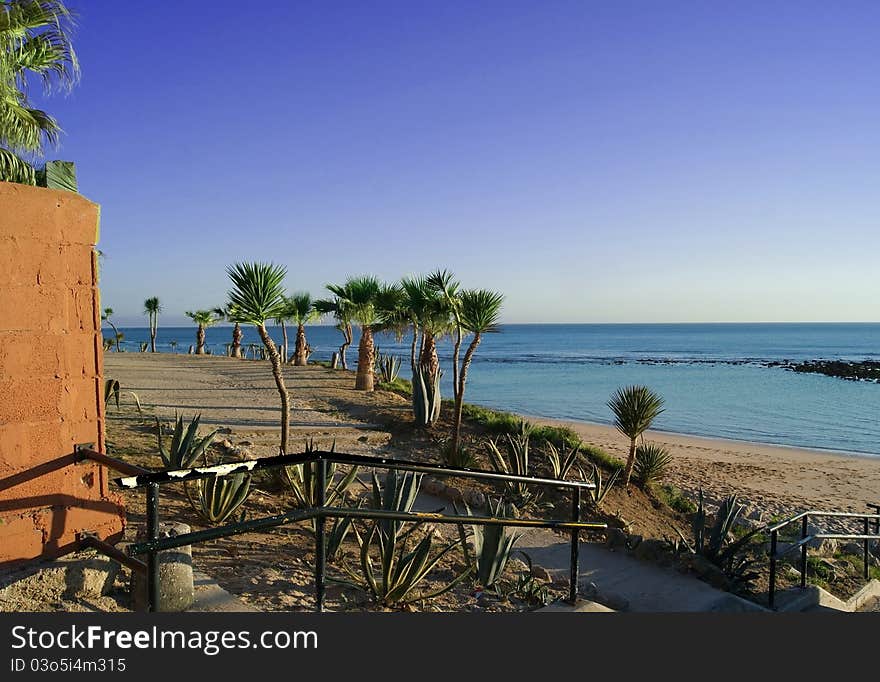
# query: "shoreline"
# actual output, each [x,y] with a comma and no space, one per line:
[777,479]
[660,433]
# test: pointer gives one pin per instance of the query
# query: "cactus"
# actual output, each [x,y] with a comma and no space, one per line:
[303,480]
[426,397]
[185,448]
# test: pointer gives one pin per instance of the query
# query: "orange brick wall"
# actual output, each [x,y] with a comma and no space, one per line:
[51,385]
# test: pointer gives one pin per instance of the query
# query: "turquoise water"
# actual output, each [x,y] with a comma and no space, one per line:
[711,375]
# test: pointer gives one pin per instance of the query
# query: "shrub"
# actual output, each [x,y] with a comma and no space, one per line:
[492,546]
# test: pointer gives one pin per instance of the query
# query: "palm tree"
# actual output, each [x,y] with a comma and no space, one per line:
[634,408]
[34,40]
[428,312]
[476,312]
[105,315]
[228,313]
[341,311]
[258,295]
[152,308]
[203,318]
[301,310]
[364,297]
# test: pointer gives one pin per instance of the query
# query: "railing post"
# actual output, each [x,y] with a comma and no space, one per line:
[320,544]
[152,555]
[771,593]
[575,546]
[867,530]
[804,554]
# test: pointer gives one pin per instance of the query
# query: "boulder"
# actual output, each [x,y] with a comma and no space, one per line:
[651,550]
[615,537]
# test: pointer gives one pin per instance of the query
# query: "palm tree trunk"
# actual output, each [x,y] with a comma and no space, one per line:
[630,463]
[300,353]
[236,340]
[275,358]
[284,342]
[200,340]
[366,359]
[153,330]
[346,342]
[459,393]
[115,334]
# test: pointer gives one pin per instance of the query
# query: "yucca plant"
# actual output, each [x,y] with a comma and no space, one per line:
[651,463]
[634,408]
[601,487]
[111,390]
[515,461]
[217,498]
[144,346]
[492,545]
[186,447]
[391,571]
[562,461]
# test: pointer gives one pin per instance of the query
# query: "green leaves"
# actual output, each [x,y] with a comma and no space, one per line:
[492,546]
[651,463]
[479,310]
[186,446]
[561,461]
[218,497]
[635,408]
[258,292]
[34,39]
[203,318]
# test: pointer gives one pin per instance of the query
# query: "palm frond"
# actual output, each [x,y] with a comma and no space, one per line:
[258,292]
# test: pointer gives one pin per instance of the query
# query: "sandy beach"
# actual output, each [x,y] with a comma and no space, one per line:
[240,396]
[770,477]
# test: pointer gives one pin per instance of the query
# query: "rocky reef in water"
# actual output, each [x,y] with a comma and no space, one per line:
[864,370]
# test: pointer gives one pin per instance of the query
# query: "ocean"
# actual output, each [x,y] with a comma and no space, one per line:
[712,376]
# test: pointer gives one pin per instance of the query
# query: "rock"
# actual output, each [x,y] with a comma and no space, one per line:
[615,537]
[709,572]
[541,573]
[633,541]
[853,548]
[475,499]
[824,546]
[432,485]
[651,550]
[453,494]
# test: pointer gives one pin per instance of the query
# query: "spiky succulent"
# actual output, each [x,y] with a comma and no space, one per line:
[187,446]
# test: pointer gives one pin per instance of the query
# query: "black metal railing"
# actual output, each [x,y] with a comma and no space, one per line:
[152,481]
[866,536]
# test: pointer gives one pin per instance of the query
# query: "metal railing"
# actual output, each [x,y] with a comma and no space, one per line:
[805,539]
[152,481]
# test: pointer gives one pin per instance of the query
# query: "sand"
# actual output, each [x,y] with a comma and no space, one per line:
[772,478]
[241,395]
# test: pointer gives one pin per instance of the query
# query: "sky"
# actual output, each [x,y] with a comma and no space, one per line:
[594,161]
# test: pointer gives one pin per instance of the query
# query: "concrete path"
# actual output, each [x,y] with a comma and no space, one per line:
[645,587]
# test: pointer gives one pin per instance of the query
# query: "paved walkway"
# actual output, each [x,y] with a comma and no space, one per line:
[646,587]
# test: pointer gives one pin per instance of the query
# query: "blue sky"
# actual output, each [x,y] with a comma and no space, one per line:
[596,162]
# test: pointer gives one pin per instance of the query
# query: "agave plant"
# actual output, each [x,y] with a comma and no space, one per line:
[601,487]
[562,461]
[217,498]
[651,463]
[303,480]
[492,546]
[392,570]
[460,456]
[111,390]
[426,398]
[186,447]
[387,367]
[516,462]
[712,542]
